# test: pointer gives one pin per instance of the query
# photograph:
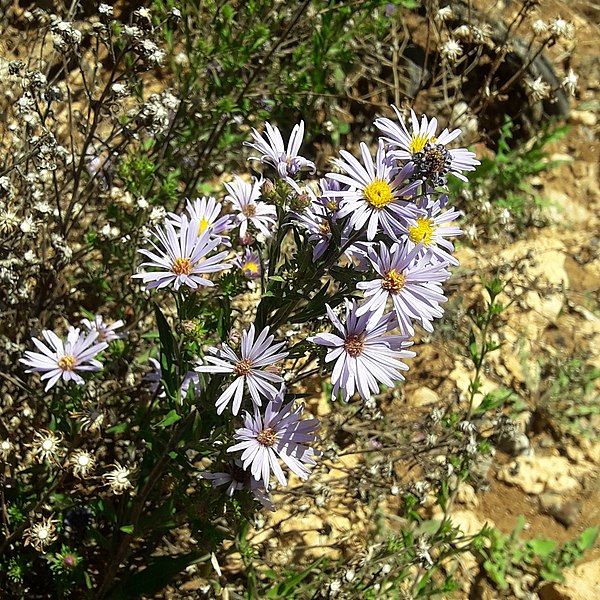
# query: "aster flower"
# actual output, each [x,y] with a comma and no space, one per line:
[377,192]
[235,477]
[316,221]
[180,257]
[280,434]
[205,211]
[425,148]
[432,229]
[364,355]
[154,377]
[62,359]
[106,332]
[244,198]
[249,264]
[411,280]
[287,162]
[249,369]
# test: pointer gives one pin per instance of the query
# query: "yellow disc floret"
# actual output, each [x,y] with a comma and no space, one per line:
[378,193]
[182,266]
[422,232]
[67,362]
[203,225]
[393,281]
[417,143]
[251,266]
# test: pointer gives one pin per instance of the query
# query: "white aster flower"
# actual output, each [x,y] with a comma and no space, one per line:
[250,211]
[62,359]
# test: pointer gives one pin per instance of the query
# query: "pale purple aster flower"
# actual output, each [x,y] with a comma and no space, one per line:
[235,477]
[364,355]
[62,359]
[377,194]
[181,257]
[190,379]
[249,264]
[425,148]
[431,231]
[106,332]
[280,434]
[205,211]
[316,219]
[248,368]
[154,377]
[411,280]
[273,152]
[244,198]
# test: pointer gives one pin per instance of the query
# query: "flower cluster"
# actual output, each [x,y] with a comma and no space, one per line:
[382,218]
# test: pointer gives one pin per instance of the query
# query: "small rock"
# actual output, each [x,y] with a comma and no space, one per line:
[581,583]
[424,396]
[566,512]
[583,117]
[538,474]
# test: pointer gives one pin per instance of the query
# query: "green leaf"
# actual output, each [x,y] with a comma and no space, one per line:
[588,538]
[172,417]
[127,528]
[542,547]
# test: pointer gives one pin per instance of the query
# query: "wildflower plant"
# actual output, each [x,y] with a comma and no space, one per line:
[208,301]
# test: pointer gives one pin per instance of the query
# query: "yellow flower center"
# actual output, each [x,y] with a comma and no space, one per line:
[203,225]
[378,193]
[267,437]
[250,266]
[67,362]
[393,281]
[417,143]
[331,205]
[324,227]
[422,232]
[182,266]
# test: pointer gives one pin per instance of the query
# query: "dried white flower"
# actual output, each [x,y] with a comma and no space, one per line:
[538,89]
[451,50]
[562,28]
[106,10]
[504,216]
[570,82]
[46,445]
[444,14]
[82,463]
[28,226]
[118,479]
[539,27]
[8,221]
[41,534]
[6,448]
[157,214]
[119,89]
